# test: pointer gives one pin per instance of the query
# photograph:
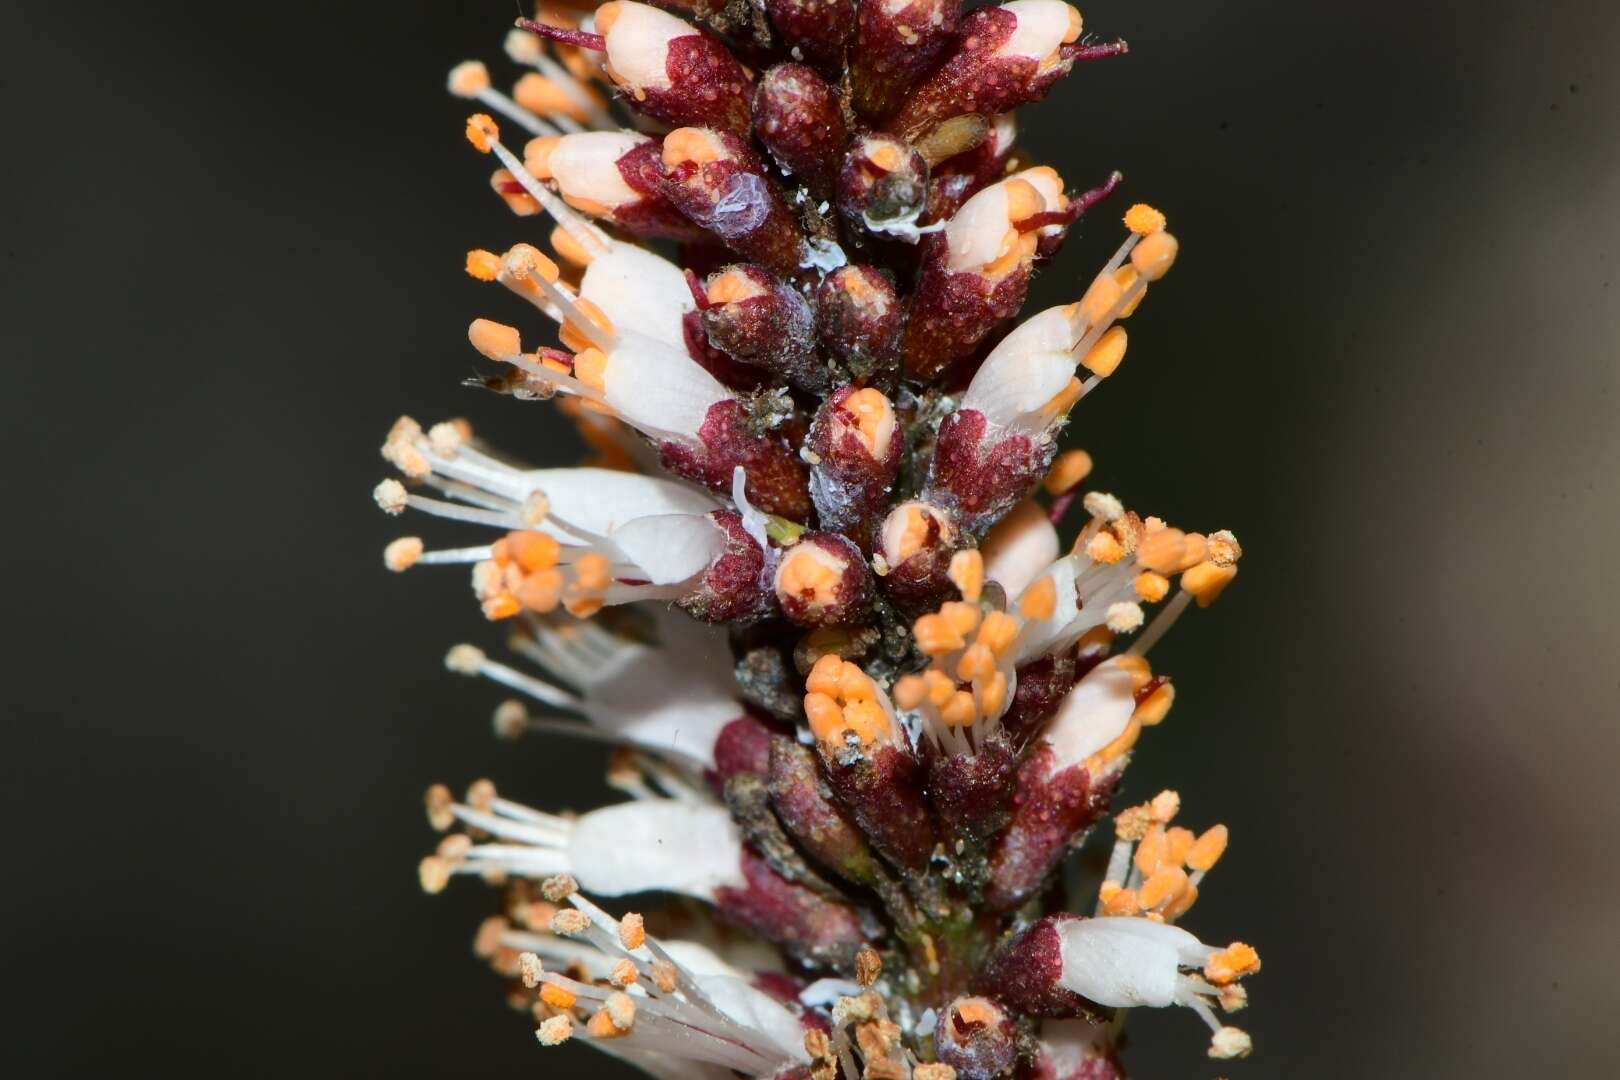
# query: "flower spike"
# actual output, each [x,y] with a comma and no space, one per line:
[869,651]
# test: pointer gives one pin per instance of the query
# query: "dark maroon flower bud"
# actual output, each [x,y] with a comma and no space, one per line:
[972,793]
[668,69]
[1024,973]
[1052,804]
[916,542]
[777,482]
[819,29]
[856,445]
[883,787]
[718,181]
[743,746]
[734,373]
[612,175]
[868,761]
[858,319]
[732,588]
[757,318]
[823,580]
[798,118]
[882,186]
[1008,56]
[896,44]
[978,473]
[976,271]
[976,1037]
[803,922]
[806,808]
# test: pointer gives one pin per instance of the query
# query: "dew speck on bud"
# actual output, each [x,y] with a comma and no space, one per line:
[872,656]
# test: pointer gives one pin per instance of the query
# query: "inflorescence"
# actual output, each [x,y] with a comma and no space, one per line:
[824,451]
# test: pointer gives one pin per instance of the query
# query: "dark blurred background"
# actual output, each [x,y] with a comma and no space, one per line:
[1387,360]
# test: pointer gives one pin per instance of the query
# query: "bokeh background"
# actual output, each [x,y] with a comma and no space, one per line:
[1387,359]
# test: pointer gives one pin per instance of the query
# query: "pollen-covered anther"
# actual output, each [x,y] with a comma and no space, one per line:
[482,132]
[530,969]
[842,702]
[555,1030]
[1069,469]
[402,554]
[822,580]
[967,573]
[1124,617]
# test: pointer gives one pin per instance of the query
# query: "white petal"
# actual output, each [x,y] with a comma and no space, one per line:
[670,549]
[1121,965]
[1093,714]
[1042,26]
[758,1011]
[1020,546]
[1026,370]
[658,388]
[656,844]
[976,231]
[658,700]
[640,291]
[586,164]
[1042,637]
[638,44]
[601,500]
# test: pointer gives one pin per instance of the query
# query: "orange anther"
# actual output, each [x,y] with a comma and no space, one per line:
[854,685]
[935,636]
[967,573]
[502,605]
[1178,842]
[1164,886]
[867,720]
[823,678]
[1208,848]
[910,692]
[1143,219]
[1150,853]
[593,571]
[1123,902]
[1157,706]
[1154,256]
[495,340]
[1104,547]
[541,591]
[962,616]
[1150,587]
[825,717]
[1039,601]
[732,286]
[1023,200]
[556,996]
[533,550]
[691,144]
[482,132]
[959,711]
[537,155]
[1099,300]
[940,687]
[1062,401]
[1104,357]
[1206,580]
[590,368]
[1066,473]
[977,662]
[568,248]
[998,632]
[483,265]
[874,419]
[1233,962]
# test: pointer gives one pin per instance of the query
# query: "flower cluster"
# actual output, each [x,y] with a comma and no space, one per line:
[827,453]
